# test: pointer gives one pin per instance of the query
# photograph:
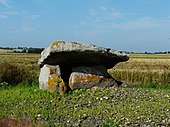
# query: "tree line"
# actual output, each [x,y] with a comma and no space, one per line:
[24,49]
[39,50]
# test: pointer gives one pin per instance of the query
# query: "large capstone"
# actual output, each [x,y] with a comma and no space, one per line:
[72,65]
[80,54]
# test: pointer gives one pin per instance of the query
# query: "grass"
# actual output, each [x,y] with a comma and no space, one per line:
[14,74]
[148,86]
[109,107]
[143,99]
[18,67]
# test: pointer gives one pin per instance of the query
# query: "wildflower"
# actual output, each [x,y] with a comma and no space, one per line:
[105,97]
[167,96]
[101,99]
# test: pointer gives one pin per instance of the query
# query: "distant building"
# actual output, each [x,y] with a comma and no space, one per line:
[28,50]
[18,50]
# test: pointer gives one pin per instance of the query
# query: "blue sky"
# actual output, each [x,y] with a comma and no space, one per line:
[129,25]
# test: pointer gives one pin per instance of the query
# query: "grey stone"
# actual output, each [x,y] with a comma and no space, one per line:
[80,54]
[72,65]
[50,79]
[91,76]
[43,77]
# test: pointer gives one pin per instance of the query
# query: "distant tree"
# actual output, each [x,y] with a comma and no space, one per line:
[35,50]
[8,48]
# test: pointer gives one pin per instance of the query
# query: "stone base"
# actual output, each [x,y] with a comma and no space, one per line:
[50,79]
[62,79]
[92,76]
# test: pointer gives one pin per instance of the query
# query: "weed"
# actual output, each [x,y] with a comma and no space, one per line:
[14,74]
[148,86]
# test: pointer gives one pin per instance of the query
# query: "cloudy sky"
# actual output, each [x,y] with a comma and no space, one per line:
[130,25]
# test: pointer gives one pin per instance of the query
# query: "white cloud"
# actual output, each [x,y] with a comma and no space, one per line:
[109,18]
[26,20]
[28,23]
[9,14]
[5,3]
[13,12]
[140,23]
[143,23]
[105,19]
[147,2]
[102,14]
[3,16]
[27,28]
[35,17]
[103,8]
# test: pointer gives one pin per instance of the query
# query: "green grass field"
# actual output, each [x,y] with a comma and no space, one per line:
[143,100]
[108,107]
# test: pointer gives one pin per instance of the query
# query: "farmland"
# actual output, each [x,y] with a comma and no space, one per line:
[144,68]
[129,105]
[141,68]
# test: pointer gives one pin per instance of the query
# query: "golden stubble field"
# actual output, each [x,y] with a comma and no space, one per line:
[141,68]
[144,68]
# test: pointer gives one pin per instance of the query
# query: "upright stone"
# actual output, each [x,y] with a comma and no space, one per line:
[50,79]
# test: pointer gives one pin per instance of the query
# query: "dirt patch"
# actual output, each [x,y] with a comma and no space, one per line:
[13,122]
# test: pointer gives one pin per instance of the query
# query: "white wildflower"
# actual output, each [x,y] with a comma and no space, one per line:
[101,99]
[105,97]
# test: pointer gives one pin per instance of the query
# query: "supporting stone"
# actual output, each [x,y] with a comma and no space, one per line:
[50,79]
[90,76]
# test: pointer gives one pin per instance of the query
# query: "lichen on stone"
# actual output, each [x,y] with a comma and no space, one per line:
[57,43]
[55,82]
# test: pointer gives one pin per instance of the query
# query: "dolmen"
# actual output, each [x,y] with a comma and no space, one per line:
[68,66]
